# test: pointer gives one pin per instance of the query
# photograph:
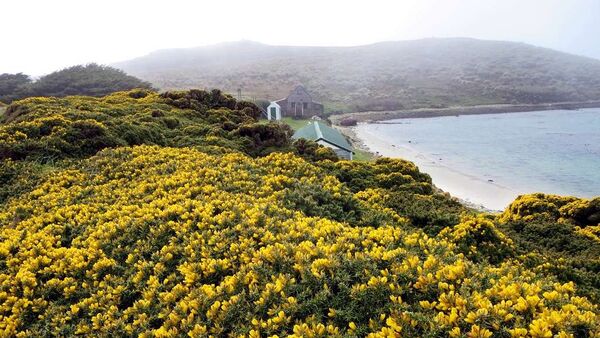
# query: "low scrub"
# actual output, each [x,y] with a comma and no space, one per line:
[163,215]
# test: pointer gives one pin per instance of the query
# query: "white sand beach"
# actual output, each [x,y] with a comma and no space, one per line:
[473,190]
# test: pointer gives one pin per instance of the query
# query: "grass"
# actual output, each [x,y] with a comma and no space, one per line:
[295,124]
[362,155]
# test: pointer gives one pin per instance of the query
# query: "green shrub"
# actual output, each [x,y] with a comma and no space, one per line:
[313,151]
[265,137]
[553,208]
[479,239]
[90,80]
[582,212]
[54,128]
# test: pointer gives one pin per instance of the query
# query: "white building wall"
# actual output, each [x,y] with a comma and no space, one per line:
[274,107]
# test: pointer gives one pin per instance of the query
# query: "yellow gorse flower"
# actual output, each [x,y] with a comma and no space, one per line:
[150,241]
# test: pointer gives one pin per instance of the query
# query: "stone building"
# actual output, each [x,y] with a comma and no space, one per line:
[298,104]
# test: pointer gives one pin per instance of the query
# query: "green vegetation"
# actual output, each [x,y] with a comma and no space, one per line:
[294,123]
[432,73]
[561,230]
[48,129]
[90,80]
[56,130]
[13,86]
[362,155]
[163,215]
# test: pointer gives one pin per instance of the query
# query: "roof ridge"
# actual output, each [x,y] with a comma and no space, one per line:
[318,129]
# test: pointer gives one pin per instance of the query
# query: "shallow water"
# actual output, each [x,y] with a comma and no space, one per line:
[546,151]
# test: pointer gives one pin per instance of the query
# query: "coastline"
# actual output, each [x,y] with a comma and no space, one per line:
[471,191]
[377,116]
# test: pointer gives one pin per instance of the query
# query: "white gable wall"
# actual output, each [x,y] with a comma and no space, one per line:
[274,111]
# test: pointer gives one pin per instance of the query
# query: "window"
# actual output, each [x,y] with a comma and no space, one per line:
[293,105]
[305,105]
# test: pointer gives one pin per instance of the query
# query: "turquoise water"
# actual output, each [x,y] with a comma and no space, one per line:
[547,151]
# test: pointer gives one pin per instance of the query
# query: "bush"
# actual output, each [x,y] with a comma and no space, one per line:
[17,178]
[187,234]
[13,87]
[45,129]
[478,238]
[553,208]
[90,80]
[582,212]
[199,100]
[265,138]
[313,151]
[348,122]
[158,241]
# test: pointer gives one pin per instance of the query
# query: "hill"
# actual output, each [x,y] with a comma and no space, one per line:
[174,214]
[382,76]
[90,80]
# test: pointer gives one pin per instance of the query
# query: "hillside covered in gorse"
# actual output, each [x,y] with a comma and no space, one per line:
[179,214]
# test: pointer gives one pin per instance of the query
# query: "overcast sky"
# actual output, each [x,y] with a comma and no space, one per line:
[40,36]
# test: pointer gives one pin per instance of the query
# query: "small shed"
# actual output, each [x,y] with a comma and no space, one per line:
[274,111]
[325,135]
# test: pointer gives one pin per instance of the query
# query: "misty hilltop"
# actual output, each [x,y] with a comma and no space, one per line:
[382,76]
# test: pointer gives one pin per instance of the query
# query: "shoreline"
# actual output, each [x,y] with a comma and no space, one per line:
[376,116]
[471,191]
[392,152]
[482,195]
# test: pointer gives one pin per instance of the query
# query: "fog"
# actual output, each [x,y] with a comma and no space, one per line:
[42,36]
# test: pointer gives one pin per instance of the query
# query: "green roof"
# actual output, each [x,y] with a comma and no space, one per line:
[316,131]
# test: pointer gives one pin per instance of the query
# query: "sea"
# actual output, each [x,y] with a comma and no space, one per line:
[555,151]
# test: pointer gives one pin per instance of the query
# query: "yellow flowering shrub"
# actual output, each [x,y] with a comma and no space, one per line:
[478,237]
[592,232]
[584,212]
[400,187]
[553,207]
[161,242]
[46,129]
[558,235]
[205,240]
